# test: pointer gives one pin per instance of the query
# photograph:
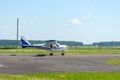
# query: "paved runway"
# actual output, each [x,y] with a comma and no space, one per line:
[21,64]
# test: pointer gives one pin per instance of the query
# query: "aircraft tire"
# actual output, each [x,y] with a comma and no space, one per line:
[62,54]
[51,54]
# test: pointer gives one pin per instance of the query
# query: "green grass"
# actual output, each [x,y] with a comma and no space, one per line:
[115,61]
[64,76]
[71,50]
[94,50]
[24,51]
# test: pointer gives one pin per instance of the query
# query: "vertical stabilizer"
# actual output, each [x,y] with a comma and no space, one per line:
[24,43]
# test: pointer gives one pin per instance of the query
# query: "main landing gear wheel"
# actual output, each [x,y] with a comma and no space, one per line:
[51,54]
[62,54]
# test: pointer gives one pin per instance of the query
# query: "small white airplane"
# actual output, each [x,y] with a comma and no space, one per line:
[50,45]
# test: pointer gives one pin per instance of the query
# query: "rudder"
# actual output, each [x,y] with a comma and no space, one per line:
[24,43]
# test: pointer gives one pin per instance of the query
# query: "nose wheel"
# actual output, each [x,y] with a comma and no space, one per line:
[51,54]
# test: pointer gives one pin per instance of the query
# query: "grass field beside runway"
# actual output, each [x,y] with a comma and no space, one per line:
[115,61]
[64,76]
[71,50]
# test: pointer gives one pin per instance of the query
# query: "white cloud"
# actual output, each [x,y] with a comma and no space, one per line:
[76,21]
[88,16]
[65,24]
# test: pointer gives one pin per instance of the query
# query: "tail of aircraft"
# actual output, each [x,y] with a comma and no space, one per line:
[25,43]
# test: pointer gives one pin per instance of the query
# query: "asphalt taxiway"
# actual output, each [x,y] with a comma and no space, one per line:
[22,64]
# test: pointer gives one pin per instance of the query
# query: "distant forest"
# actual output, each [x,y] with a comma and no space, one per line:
[13,42]
[68,43]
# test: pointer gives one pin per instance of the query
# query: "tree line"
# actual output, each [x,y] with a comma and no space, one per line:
[68,43]
[109,43]
[14,42]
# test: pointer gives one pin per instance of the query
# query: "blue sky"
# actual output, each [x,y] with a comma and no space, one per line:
[77,20]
